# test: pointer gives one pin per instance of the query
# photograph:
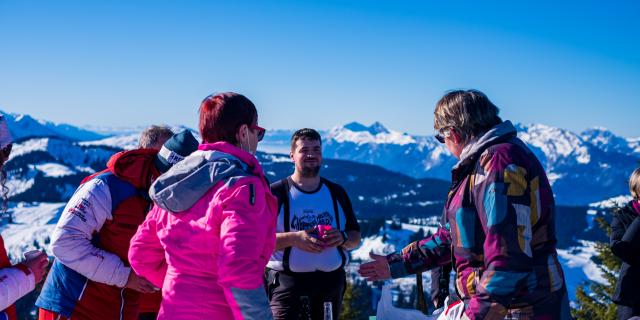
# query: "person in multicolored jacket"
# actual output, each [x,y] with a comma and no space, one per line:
[500,231]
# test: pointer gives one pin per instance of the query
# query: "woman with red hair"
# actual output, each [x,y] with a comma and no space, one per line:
[212,229]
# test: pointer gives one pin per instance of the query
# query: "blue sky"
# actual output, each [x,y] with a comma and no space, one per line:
[318,64]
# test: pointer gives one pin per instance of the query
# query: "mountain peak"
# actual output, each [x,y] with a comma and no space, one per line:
[378,128]
[22,117]
[355,126]
[597,131]
[598,128]
[373,129]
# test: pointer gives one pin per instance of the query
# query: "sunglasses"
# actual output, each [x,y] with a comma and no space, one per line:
[440,135]
[261,131]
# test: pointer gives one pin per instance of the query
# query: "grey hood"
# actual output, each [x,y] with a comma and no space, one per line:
[500,132]
[187,181]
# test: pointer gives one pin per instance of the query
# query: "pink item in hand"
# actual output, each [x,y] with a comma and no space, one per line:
[322,229]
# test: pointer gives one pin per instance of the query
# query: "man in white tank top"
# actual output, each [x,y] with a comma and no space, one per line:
[316,228]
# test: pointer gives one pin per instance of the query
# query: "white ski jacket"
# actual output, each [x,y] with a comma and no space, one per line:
[84,216]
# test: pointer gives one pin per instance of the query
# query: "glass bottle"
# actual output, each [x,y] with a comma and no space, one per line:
[328,310]
[305,308]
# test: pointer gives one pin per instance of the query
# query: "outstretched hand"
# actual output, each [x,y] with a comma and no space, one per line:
[378,269]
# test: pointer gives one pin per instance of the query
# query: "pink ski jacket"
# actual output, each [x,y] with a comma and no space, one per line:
[209,236]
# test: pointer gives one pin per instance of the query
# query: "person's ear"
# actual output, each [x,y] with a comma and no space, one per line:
[241,135]
[455,136]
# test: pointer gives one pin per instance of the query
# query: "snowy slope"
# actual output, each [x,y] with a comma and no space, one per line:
[393,236]
[608,141]
[125,142]
[32,227]
[53,170]
[126,138]
[611,202]
[50,169]
[556,144]
[61,150]
[579,267]
[634,144]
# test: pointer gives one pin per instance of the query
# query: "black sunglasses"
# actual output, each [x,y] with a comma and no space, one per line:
[261,131]
[440,135]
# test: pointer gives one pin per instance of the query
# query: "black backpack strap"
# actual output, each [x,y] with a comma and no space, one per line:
[335,197]
[280,189]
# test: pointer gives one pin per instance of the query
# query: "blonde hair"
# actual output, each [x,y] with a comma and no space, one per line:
[634,183]
[470,112]
[154,135]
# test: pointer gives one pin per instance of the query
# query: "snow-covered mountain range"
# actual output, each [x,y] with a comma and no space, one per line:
[24,126]
[583,168]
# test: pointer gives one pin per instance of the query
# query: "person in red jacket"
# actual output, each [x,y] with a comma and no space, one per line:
[20,279]
[91,277]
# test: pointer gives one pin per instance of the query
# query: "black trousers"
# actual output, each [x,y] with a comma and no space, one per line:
[288,291]
[627,312]
[147,316]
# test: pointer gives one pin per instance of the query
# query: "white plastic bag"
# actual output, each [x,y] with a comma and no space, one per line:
[453,310]
[386,310]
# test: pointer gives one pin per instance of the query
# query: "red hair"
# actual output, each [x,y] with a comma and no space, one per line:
[222,114]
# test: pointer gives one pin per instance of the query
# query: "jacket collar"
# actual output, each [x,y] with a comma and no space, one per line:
[498,134]
[635,205]
[135,167]
[247,158]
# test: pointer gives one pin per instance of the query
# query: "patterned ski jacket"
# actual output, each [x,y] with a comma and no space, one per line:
[499,230]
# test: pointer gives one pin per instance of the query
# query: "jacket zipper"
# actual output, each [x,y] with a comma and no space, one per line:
[121,304]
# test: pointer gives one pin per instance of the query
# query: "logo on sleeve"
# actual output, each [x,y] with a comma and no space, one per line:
[80,209]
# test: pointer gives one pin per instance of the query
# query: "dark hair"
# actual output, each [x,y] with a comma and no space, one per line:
[469,111]
[4,156]
[304,134]
[222,114]
[154,134]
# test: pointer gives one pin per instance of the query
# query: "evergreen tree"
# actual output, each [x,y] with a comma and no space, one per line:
[356,304]
[594,299]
